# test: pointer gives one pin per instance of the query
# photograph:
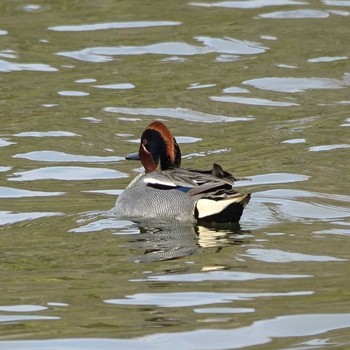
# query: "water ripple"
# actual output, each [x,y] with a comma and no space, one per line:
[280,256]
[67,173]
[336,2]
[346,122]
[328,147]
[85,81]
[8,53]
[177,113]
[294,141]
[73,93]
[56,133]
[258,333]
[104,224]
[6,66]
[112,25]
[224,310]
[4,143]
[299,211]
[339,13]
[249,4]
[108,192]
[293,194]
[194,298]
[7,217]
[211,45]
[8,192]
[295,84]
[335,231]
[199,86]
[22,308]
[18,318]
[218,276]
[231,46]
[305,13]
[54,156]
[279,205]
[252,101]
[235,90]
[31,7]
[104,54]
[327,59]
[272,178]
[122,86]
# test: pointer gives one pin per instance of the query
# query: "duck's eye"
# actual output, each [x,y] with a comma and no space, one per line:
[145,145]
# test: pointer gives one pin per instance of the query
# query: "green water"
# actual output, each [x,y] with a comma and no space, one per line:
[70,270]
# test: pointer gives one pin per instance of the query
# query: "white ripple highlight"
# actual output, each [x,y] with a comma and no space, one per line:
[54,156]
[112,25]
[280,256]
[67,173]
[177,113]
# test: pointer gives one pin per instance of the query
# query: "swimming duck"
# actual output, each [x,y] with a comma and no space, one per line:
[166,191]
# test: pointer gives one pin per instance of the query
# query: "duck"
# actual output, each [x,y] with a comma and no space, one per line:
[165,191]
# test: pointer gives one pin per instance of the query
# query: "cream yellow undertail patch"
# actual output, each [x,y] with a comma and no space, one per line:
[208,207]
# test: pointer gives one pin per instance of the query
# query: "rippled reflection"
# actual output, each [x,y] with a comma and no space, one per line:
[46,134]
[67,173]
[328,147]
[112,25]
[336,2]
[9,192]
[277,256]
[31,7]
[5,319]
[73,93]
[295,84]
[4,143]
[252,101]
[327,59]
[194,298]
[6,66]
[22,308]
[124,86]
[305,13]
[249,4]
[157,240]
[178,113]
[54,156]
[210,45]
[257,333]
[7,217]
[219,276]
[275,206]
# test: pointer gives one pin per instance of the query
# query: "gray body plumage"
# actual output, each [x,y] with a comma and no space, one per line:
[182,194]
[141,200]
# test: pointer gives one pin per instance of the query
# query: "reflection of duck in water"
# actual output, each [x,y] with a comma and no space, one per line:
[164,241]
[167,191]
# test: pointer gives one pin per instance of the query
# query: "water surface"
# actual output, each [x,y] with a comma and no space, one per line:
[260,87]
